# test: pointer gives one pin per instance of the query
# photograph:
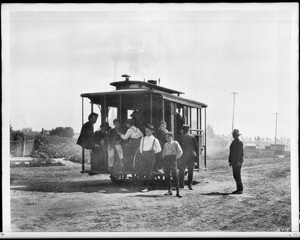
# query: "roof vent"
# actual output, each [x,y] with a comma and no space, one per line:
[126,76]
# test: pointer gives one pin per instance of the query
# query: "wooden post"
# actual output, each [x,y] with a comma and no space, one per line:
[24,145]
[173,119]
[205,138]
[198,119]
[190,116]
[120,110]
[151,108]
[163,109]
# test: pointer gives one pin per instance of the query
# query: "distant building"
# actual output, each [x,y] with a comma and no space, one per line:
[280,148]
[250,146]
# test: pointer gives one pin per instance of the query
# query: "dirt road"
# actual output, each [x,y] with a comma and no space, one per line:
[61,199]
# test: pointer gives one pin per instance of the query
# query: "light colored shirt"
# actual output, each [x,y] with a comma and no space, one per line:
[132,132]
[147,143]
[172,148]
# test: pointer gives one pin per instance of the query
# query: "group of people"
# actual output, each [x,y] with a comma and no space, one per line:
[156,151]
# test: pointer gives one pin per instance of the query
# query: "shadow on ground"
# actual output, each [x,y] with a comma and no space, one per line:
[215,193]
[89,186]
[105,186]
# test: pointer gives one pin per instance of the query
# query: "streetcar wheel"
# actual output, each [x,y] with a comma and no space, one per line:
[116,178]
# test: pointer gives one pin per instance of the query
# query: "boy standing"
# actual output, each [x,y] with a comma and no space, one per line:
[171,153]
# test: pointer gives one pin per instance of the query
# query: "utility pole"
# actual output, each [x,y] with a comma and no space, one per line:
[275,134]
[233,109]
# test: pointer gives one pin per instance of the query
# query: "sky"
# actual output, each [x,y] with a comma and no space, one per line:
[55,52]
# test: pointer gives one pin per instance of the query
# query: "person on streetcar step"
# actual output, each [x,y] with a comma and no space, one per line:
[86,137]
[114,144]
[159,134]
[99,155]
[189,146]
[133,136]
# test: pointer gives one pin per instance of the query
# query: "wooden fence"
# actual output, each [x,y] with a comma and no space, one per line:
[21,148]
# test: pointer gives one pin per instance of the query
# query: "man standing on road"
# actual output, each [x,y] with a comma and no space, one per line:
[236,155]
[189,146]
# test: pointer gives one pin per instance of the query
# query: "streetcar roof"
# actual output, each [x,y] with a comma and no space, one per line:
[173,98]
[140,84]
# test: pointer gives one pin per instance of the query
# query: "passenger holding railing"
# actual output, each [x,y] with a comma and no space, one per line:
[133,136]
[159,134]
[86,137]
[189,146]
[114,144]
[99,155]
[86,140]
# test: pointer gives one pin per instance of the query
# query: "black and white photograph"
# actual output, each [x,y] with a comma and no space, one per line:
[150,120]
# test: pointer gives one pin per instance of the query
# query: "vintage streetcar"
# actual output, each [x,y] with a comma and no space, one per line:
[144,102]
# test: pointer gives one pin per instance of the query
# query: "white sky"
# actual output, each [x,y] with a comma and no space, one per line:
[56,52]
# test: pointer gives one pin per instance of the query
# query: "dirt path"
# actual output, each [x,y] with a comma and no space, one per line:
[60,199]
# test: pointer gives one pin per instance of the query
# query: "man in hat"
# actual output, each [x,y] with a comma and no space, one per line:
[189,146]
[235,160]
[149,146]
[171,153]
[86,137]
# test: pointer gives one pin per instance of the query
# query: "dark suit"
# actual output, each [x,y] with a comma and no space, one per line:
[189,147]
[86,137]
[236,155]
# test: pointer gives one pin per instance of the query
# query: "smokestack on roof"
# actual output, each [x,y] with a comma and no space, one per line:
[126,76]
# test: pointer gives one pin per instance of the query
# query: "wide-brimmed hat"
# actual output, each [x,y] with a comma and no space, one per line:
[149,126]
[236,131]
[167,133]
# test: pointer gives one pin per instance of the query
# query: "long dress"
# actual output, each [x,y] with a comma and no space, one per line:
[99,155]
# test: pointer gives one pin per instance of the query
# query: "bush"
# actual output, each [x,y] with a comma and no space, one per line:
[47,147]
[39,162]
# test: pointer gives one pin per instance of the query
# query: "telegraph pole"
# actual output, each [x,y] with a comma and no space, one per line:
[275,134]
[233,109]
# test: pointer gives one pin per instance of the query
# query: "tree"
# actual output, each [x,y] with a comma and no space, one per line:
[26,130]
[210,132]
[11,132]
[68,132]
[62,132]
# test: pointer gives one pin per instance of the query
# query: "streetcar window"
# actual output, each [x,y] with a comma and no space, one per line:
[129,112]
[112,114]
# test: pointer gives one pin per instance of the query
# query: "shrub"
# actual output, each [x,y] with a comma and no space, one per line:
[47,147]
[38,162]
